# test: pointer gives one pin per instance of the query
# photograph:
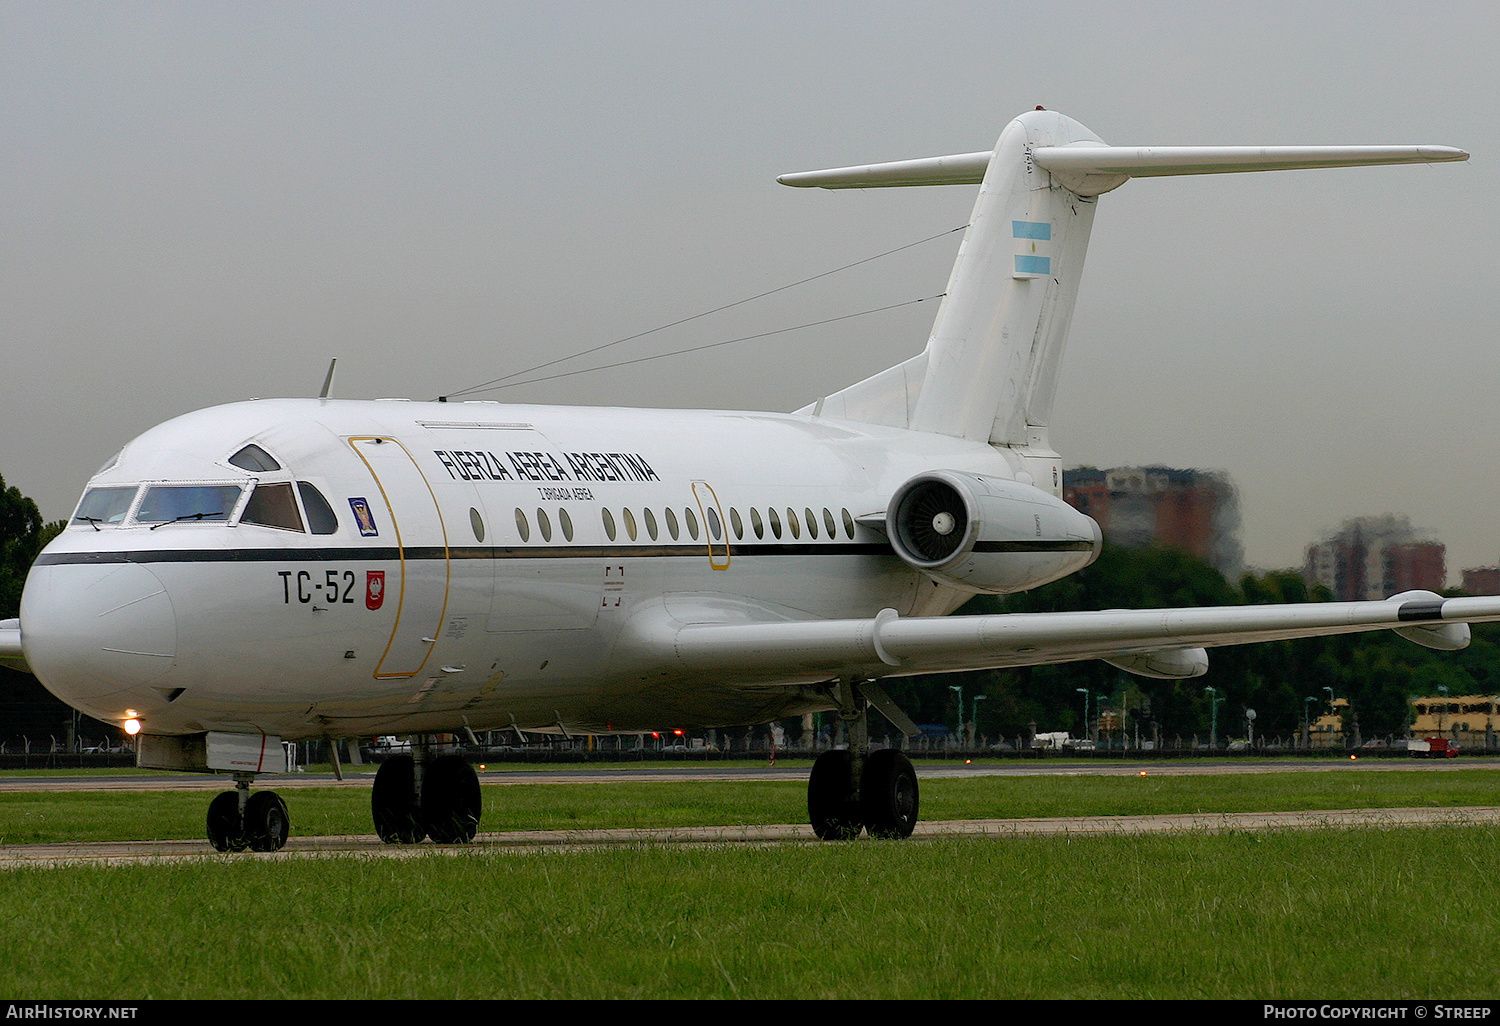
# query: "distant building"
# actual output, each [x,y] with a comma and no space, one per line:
[1194,510]
[1482,580]
[1327,731]
[1374,557]
[1456,716]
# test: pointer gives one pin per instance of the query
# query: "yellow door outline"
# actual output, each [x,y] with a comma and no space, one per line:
[380,672]
[718,551]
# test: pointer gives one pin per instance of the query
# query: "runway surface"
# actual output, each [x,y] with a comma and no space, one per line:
[123,852]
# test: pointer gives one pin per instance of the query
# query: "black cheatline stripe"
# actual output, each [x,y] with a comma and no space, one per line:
[433,552]
[1421,609]
[1071,545]
[221,555]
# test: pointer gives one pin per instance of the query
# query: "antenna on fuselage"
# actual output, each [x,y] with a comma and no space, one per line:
[328,380]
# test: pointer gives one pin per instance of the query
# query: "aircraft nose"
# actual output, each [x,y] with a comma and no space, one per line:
[92,631]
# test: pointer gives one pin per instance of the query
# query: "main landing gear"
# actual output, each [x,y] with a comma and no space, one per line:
[238,819]
[858,789]
[424,796]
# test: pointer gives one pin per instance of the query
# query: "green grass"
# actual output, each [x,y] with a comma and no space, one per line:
[1327,914]
[1382,913]
[38,817]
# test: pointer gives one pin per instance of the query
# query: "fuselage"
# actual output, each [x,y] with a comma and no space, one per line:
[303,567]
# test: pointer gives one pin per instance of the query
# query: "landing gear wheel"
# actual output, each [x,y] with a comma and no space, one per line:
[266,821]
[393,802]
[888,794]
[226,831]
[832,802]
[450,800]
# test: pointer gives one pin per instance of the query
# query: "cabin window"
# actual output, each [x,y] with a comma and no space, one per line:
[629,522]
[791,523]
[165,504]
[254,459]
[104,506]
[522,527]
[848,524]
[715,530]
[650,522]
[544,525]
[775,522]
[833,531]
[477,523]
[691,519]
[566,522]
[756,524]
[320,515]
[671,523]
[812,523]
[738,525]
[273,505]
[609,523]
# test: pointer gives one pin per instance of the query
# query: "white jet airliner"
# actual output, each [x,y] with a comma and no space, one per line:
[313,567]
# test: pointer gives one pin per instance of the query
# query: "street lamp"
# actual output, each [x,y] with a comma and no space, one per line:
[974,719]
[1307,720]
[960,689]
[1088,734]
[1214,698]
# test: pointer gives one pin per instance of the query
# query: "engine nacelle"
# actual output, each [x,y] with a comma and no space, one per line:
[988,534]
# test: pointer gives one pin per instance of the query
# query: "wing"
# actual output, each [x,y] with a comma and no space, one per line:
[1152,642]
[11,654]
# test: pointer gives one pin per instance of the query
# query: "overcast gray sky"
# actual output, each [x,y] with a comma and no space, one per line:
[205,202]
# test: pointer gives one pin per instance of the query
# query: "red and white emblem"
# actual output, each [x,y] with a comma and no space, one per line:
[374,588]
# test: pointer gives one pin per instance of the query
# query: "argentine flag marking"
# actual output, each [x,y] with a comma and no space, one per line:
[1033,248]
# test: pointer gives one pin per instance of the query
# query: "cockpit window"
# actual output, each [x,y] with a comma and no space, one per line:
[110,462]
[254,459]
[272,505]
[104,506]
[167,503]
[320,516]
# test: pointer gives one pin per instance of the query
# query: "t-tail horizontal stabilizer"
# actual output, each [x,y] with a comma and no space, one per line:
[989,371]
[1090,166]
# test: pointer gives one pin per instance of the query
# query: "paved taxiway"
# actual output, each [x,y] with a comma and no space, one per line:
[14,856]
[122,852]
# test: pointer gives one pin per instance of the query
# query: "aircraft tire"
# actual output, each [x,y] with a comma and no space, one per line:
[888,797]
[393,802]
[266,821]
[832,801]
[450,800]
[226,831]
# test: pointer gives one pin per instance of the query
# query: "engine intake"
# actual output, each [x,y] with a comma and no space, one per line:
[988,534]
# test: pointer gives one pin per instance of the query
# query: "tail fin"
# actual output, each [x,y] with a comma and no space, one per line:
[989,371]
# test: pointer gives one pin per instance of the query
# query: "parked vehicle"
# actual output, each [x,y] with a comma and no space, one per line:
[1433,748]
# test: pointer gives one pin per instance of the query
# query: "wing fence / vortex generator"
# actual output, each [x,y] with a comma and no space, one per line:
[989,371]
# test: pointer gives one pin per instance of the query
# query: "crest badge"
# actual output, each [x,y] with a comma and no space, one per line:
[364,518]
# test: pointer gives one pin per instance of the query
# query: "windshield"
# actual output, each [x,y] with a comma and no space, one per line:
[166,503]
[104,506]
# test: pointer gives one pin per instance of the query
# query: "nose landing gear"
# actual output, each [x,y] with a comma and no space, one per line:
[238,819]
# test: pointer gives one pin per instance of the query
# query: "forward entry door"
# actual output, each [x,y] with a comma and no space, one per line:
[420,590]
